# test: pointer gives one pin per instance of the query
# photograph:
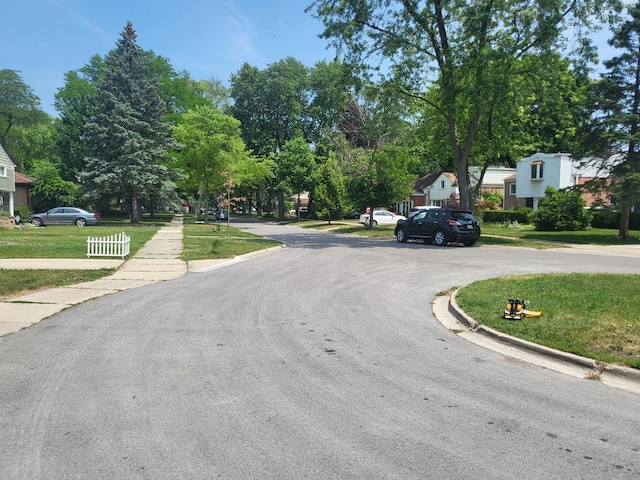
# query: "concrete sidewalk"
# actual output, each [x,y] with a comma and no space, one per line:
[158,260]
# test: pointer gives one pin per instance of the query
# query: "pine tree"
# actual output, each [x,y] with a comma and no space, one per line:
[126,135]
[620,104]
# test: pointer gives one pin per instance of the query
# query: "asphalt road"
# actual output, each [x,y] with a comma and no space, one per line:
[321,360]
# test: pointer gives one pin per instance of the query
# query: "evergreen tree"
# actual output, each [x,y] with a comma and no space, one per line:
[619,108]
[126,135]
[330,193]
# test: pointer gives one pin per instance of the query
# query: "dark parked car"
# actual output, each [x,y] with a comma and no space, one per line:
[440,226]
[65,216]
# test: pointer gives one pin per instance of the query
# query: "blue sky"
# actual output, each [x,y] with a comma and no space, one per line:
[44,39]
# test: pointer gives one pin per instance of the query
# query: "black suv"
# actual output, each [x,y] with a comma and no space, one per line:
[440,226]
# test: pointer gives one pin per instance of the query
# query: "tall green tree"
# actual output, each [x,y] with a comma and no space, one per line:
[250,175]
[618,116]
[330,192]
[50,189]
[295,168]
[456,57]
[372,150]
[270,104]
[127,137]
[73,104]
[19,106]
[210,146]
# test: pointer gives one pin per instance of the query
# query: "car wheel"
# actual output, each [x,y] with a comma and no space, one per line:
[81,222]
[401,236]
[37,222]
[375,223]
[440,238]
[469,243]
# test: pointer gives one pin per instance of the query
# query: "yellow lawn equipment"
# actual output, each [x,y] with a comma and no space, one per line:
[517,310]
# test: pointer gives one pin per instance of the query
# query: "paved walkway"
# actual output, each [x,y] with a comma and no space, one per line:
[158,260]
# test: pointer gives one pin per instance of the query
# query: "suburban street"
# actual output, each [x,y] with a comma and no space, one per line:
[322,360]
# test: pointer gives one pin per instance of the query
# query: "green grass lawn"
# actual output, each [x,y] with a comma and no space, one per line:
[595,236]
[64,242]
[16,282]
[592,315]
[214,241]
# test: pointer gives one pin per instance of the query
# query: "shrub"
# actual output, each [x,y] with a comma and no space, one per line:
[561,210]
[607,218]
[491,200]
[521,215]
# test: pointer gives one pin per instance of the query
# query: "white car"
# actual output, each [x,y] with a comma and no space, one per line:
[381,217]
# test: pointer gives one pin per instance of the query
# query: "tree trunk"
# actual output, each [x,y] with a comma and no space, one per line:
[135,217]
[280,197]
[623,229]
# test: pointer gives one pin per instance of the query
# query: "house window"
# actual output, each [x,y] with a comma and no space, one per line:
[512,189]
[441,183]
[3,171]
[436,203]
[537,170]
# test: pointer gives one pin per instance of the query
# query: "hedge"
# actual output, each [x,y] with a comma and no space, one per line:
[522,215]
[609,219]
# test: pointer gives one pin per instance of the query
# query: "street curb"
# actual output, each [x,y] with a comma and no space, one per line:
[215,264]
[599,367]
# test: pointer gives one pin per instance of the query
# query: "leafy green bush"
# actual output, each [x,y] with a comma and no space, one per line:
[490,200]
[561,210]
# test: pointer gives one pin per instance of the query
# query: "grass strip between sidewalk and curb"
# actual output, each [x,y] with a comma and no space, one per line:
[18,282]
[218,241]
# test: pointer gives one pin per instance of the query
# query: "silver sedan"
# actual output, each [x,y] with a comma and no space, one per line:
[65,216]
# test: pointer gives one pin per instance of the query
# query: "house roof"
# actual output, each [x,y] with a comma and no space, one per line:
[4,157]
[429,179]
[425,181]
[22,179]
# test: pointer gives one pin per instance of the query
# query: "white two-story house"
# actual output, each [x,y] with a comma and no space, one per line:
[537,172]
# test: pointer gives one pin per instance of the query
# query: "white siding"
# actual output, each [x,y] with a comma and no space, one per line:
[438,192]
[493,178]
[557,174]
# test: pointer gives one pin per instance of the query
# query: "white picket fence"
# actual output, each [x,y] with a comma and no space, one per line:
[117,245]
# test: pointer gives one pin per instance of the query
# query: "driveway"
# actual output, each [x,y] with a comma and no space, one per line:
[321,360]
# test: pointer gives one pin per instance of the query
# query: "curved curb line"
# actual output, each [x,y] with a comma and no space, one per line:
[626,373]
[238,258]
